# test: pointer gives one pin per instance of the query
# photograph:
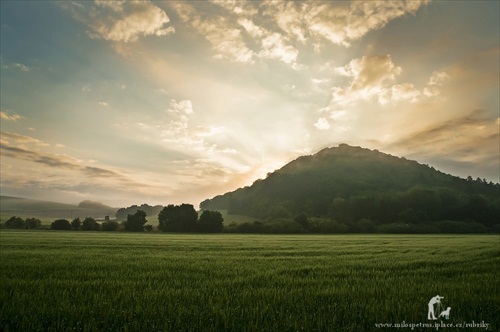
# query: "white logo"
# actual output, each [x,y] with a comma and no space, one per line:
[437,308]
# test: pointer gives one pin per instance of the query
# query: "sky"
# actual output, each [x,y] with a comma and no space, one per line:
[169,102]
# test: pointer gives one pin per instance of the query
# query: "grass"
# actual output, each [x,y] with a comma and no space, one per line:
[95,281]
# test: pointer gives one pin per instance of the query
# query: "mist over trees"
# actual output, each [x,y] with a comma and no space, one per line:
[92,205]
[123,213]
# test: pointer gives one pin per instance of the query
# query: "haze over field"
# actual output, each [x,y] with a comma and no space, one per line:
[176,101]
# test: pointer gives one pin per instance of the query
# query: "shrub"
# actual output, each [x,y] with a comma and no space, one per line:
[76,223]
[110,226]
[60,224]
[327,226]
[135,222]
[210,222]
[15,222]
[89,224]
[33,223]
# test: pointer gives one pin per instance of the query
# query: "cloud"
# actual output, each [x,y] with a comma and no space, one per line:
[274,47]
[469,138]
[253,30]
[369,77]
[182,107]
[20,140]
[322,124]
[290,18]
[121,21]
[344,22]
[179,130]
[60,171]
[373,77]
[245,31]
[435,81]
[21,67]
[97,172]
[115,5]
[399,92]
[224,36]
[10,117]
[51,160]
[370,71]
[18,66]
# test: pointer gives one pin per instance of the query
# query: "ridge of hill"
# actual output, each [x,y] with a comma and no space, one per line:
[25,207]
[348,184]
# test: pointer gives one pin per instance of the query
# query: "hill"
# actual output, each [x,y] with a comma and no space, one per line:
[23,207]
[352,184]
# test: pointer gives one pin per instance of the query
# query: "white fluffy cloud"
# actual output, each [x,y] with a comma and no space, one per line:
[344,22]
[399,92]
[322,124]
[274,47]
[129,20]
[225,38]
[373,78]
[277,27]
[9,116]
[435,81]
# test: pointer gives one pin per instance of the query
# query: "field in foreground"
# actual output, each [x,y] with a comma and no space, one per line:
[58,281]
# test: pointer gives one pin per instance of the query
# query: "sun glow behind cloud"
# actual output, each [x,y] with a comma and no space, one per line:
[178,101]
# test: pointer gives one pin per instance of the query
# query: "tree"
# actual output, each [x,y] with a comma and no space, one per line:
[33,223]
[178,218]
[60,224]
[110,225]
[15,222]
[90,224]
[76,223]
[135,222]
[278,212]
[302,219]
[210,222]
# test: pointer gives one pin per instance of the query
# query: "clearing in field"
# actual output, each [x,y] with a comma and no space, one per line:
[53,281]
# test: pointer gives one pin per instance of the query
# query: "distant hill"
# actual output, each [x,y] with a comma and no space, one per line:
[23,207]
[350,184]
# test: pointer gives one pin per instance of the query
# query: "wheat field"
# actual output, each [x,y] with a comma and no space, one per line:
[95,281]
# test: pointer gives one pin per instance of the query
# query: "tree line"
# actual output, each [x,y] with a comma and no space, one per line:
[172,218]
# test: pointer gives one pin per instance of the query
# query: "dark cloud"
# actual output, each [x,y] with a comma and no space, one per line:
[471,128]
[100,172]
[464,146]
[46,159]
[56,161]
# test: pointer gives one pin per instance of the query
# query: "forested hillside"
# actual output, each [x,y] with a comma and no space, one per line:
[356,186]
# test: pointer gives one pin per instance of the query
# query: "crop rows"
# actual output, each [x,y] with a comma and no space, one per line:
[54,281]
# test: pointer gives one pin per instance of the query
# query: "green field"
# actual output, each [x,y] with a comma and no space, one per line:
[95,281]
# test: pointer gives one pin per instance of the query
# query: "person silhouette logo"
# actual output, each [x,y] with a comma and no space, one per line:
[436,300]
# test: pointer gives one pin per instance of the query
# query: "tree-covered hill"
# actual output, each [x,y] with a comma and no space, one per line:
[352,184]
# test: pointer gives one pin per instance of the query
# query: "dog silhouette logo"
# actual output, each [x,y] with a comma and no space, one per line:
[445,313]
